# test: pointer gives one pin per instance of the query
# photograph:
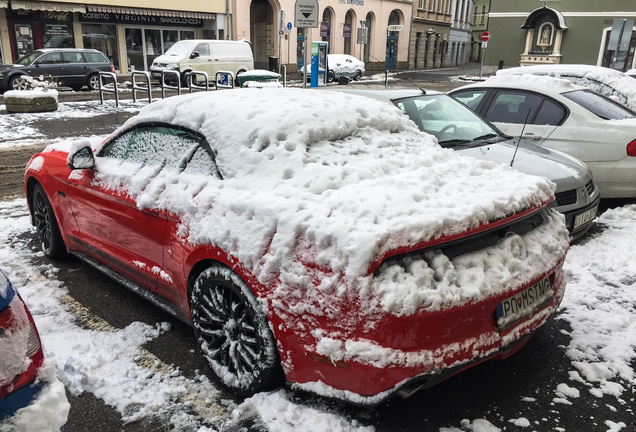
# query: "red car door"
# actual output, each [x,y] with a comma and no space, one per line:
[114,231]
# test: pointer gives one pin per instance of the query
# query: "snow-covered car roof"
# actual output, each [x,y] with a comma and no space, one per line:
[530,82]
[341,170]
[609,82]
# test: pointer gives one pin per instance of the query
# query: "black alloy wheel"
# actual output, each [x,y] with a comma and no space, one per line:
[234,334]
[46,227]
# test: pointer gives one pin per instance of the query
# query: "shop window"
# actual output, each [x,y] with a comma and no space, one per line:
[24,39]
[169,38]
[186,34]
[102,37]
[134,49]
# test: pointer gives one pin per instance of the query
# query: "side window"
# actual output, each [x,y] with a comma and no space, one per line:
[164,147]
[51,58]
[203,50]
[93,57]
[73,57]
[513,107]
[550,113]
[471,98]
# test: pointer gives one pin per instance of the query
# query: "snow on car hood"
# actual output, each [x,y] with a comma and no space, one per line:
[564,170]
[330,179]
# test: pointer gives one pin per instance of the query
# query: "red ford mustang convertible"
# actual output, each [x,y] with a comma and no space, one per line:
[311,237]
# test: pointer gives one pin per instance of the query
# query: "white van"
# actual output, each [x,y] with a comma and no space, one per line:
[202,55]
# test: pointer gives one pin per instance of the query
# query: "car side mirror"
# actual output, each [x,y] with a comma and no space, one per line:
[82,159]
[194,55]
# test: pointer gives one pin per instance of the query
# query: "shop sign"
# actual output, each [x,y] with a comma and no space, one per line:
[121,18]
[324,29]
[346,30]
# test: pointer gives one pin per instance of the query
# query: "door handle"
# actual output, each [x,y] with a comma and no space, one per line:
[531,136]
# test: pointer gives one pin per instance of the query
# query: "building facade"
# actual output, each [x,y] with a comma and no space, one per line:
[460,41]
[130,33]
[568,31]
[388,24]
[430,30]
[480,25]
[133,32]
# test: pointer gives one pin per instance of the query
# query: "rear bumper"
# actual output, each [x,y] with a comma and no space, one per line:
[369,373]
[571,216]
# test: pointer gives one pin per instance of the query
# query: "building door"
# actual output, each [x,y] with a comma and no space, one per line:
[261,32]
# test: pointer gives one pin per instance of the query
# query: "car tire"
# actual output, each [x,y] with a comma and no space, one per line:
[331,76]
[184,78]
[358,75]
[18,82]
[93,82]
[233,333]
[46,227]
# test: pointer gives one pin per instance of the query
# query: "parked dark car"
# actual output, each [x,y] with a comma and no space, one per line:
[31,395]
[69,67]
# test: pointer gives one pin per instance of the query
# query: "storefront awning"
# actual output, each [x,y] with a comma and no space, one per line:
[4,4]
[154,12]
[47,6]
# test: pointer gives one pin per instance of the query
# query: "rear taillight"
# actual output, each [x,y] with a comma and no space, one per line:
[631,148]
[112,68]
[19,340]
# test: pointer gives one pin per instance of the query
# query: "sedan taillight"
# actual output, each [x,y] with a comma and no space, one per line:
[112,68]
[22,351]
[631,148]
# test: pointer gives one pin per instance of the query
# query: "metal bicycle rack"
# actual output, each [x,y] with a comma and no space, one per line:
[136,87]
[165,86]
[103,89]
[224,79]
[190,77]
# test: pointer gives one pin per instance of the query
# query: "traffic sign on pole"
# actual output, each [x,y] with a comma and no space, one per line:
[485,36]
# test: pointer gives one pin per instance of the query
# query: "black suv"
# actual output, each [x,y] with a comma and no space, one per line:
[71,67]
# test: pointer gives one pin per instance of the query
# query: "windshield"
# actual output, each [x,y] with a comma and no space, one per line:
[449,120]
[600,105]
[28,59]
[182,48]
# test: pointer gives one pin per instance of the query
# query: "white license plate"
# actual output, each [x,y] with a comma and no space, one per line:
[584,217]
[524,303]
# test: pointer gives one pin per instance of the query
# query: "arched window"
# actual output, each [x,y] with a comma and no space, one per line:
[348,31]
[326,26]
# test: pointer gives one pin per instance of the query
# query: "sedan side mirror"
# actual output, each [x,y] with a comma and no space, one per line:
[82,159]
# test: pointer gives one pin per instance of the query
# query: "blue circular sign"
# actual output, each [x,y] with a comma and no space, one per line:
[289,26]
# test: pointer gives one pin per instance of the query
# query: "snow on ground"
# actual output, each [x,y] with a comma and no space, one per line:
[599,306]
[15,127]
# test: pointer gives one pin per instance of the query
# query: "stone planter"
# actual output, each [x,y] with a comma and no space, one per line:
[29,101]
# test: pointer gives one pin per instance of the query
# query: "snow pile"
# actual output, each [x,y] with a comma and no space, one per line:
[602,289]
[48,412]
[31,94]
[277,413]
